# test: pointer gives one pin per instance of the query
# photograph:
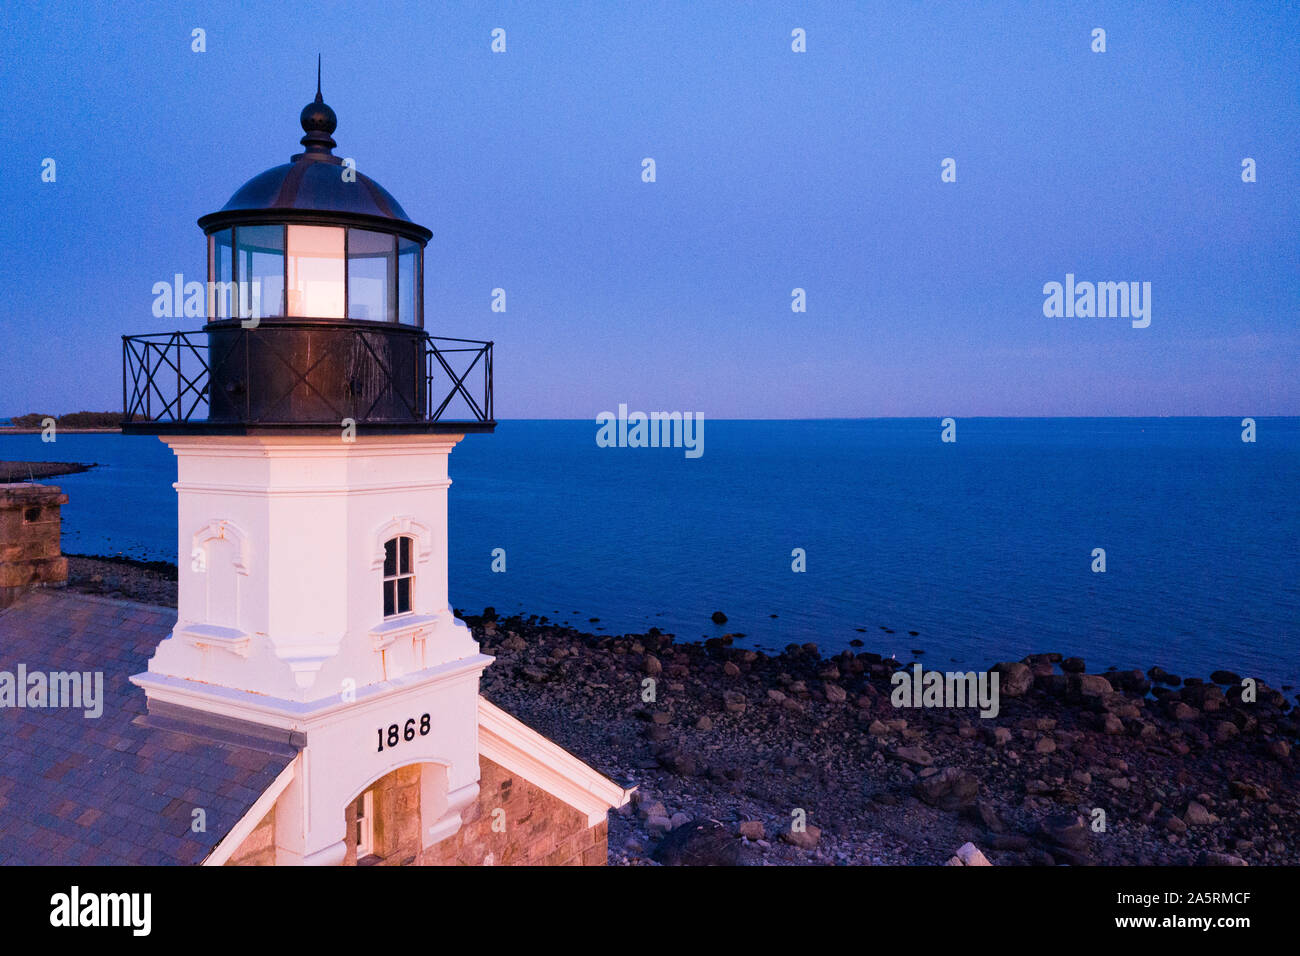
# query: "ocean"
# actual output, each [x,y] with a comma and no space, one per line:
[984,547]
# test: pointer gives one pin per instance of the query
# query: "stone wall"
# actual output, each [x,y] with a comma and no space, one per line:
[258,848]
[30,553]
[532,828]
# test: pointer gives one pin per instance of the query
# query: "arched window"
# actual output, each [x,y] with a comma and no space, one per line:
[398,577]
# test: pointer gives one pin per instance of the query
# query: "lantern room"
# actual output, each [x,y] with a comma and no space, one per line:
[315,315]
[315,239]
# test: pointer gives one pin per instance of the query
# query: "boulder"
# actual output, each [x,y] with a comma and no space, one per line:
[805,839]
[1014,678]
[699,843]
[948,789]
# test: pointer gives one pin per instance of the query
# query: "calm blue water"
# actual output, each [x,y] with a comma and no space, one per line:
[983,546]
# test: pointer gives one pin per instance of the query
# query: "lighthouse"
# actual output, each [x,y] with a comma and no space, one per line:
[312,418]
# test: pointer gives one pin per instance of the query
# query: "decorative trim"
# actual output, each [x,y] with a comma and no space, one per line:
[203,636]
[522,750]
[450,821]
[394,629]
[409,527]
[221,529]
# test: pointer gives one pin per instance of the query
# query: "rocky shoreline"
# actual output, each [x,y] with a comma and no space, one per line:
[16,471]
[738,744]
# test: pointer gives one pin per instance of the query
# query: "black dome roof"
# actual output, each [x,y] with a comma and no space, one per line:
[312,186]
[314,182]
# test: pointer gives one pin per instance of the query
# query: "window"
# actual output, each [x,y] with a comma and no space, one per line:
[221,273]
[260,254]
[372,267]
[316,271]
[408,282]
[363,836]
[398,577]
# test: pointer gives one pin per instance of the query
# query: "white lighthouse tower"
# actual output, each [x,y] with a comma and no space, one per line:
[312,419]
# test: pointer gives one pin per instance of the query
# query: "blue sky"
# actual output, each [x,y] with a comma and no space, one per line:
[775,170]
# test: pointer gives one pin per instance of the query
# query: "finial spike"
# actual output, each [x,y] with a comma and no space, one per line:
[318,99]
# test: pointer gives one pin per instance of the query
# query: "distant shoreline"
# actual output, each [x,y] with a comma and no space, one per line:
[65,429]
[18,471]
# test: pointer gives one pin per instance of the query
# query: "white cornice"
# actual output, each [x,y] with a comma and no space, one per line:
[522,750]
[303,715]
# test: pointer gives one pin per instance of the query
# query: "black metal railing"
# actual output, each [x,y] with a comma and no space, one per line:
[305,373]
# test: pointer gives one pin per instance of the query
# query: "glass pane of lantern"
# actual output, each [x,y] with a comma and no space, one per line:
[390,557]
[221,272]
[408,281]
[372,263]
[316,271]
[261,270]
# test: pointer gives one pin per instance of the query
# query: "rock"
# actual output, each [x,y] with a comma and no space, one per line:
[1225,677]
[1089,685]
[704,723]
[988,815]
[652,665]
[678,819]
[1182,711]
[734,701]
[1002,736]
[1054,684]
[949,789]
[1210,858]
[1225,730]
[1073,665]
[835,694]
[1198,816]
[534,675]
[752,830]
[915,756]
[1045,745]
[1015,842]
[730,669]
[1176,825]
[658,825]
[1159,675]
[661,717]
[1249,791]
[719,617]
[1014,678]
[1134,681]
[805,839]
[651,808]
[877,729]
[699,843]
[1111,724]
[1066,830]
[970,855]
[1279,748]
